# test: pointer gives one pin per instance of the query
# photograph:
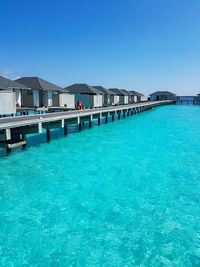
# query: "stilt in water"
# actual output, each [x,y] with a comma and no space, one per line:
[65,130]
[8,149]
[99,121]
[48,135]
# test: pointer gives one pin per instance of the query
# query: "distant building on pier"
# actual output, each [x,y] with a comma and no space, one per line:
[162,95]
[123,96]
[105,95]
[188,100]
[90,96]
[140,97]
[44,93]
[132,98]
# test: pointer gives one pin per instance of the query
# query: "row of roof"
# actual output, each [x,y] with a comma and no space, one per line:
[40,84]
[37,83]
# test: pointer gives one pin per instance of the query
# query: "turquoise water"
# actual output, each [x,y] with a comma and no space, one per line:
[122,194]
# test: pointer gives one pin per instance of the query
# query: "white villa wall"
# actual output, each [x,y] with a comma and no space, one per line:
[36,101]
[144,98]
[18,97]
[126,99]
[67,99]
[50,98]
[47,98]
[114,99]
[135,99]
[132,99]
[98,100]
[7,102]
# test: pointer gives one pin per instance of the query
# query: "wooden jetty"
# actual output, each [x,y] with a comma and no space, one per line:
[13,130]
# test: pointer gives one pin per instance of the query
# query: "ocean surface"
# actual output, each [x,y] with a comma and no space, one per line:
[126,193]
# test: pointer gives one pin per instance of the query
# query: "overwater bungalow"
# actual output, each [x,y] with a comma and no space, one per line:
[187,100]
[140,97]
[162,95]
[89,96]
[123,96]
[131,97]
[43,93]
[114,98]
[106,94]
[64,99]
[10,95]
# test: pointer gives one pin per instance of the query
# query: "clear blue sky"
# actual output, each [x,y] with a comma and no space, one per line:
[143,45]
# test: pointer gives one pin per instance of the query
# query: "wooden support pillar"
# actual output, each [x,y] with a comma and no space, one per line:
[65,130]
[90,123]
[106,119]
[124,114]
[113,117]
[79,127]
[119,116]
[99,120]
[48,135]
